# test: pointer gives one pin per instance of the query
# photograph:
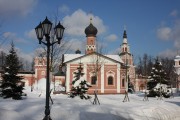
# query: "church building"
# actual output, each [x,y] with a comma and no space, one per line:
[106,73]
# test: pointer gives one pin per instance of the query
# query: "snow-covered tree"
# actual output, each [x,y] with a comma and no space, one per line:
[158,81]
[11,83]
[79,85]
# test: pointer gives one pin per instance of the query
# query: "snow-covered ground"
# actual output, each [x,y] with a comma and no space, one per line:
[111,108]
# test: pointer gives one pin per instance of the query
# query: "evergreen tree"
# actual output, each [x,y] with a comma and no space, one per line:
[158,83]
[79,85]
[11,83]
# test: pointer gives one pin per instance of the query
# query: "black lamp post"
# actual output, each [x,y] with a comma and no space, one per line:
[44,29]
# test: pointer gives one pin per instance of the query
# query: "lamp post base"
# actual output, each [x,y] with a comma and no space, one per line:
[126,98]
[47,117]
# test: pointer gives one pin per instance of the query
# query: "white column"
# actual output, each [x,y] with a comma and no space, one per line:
[36,73]
[67,78]
[118,78]
[85,71]
[102,78]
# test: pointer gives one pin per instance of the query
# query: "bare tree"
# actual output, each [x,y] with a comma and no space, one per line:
[168,66]
[97,61]
[146,62]
[144,65]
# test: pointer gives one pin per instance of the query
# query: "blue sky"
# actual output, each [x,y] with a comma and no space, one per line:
[153,26]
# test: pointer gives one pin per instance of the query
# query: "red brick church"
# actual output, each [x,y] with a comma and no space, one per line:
[106,73]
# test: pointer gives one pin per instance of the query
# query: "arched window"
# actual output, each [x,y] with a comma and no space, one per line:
[141,87]
[123,82]
[93,80]
[91,42]
[125,49]
[40,62]
[110,80]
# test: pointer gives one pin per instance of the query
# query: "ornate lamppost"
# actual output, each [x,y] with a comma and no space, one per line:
[43,30]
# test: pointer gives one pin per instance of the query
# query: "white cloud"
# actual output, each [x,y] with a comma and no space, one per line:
[174,13]
[76,23]
[75,44]
[164,33]
[176,34]
[31,34]
[168,53]
[111,37]
[173,33]
[115,51]
[64,9]
[26,57]
[13,37]
[9,35]
[5,48]
[9,8]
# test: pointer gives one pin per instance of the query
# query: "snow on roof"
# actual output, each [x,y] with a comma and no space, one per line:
[115,57]
[68,57]
[177,57]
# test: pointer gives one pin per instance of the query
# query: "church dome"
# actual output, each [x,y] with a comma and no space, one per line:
[78,51]
[91,30]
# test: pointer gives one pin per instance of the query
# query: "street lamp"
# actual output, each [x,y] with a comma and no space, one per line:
[44,29]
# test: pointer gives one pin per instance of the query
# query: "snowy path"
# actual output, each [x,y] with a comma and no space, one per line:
[111,108]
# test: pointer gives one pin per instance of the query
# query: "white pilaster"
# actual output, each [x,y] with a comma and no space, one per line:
[102,78]
[67,78]
[118,78]
[85,71]
[36,73]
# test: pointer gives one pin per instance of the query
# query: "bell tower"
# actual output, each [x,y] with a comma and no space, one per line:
[127,58]
[91,32]
[125,54]
[40,67]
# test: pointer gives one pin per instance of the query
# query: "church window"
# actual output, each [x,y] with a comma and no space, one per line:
[91,42]
[40,62]
[125,49]
[93,80]
[123,82]
[110,80]
[127,61]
